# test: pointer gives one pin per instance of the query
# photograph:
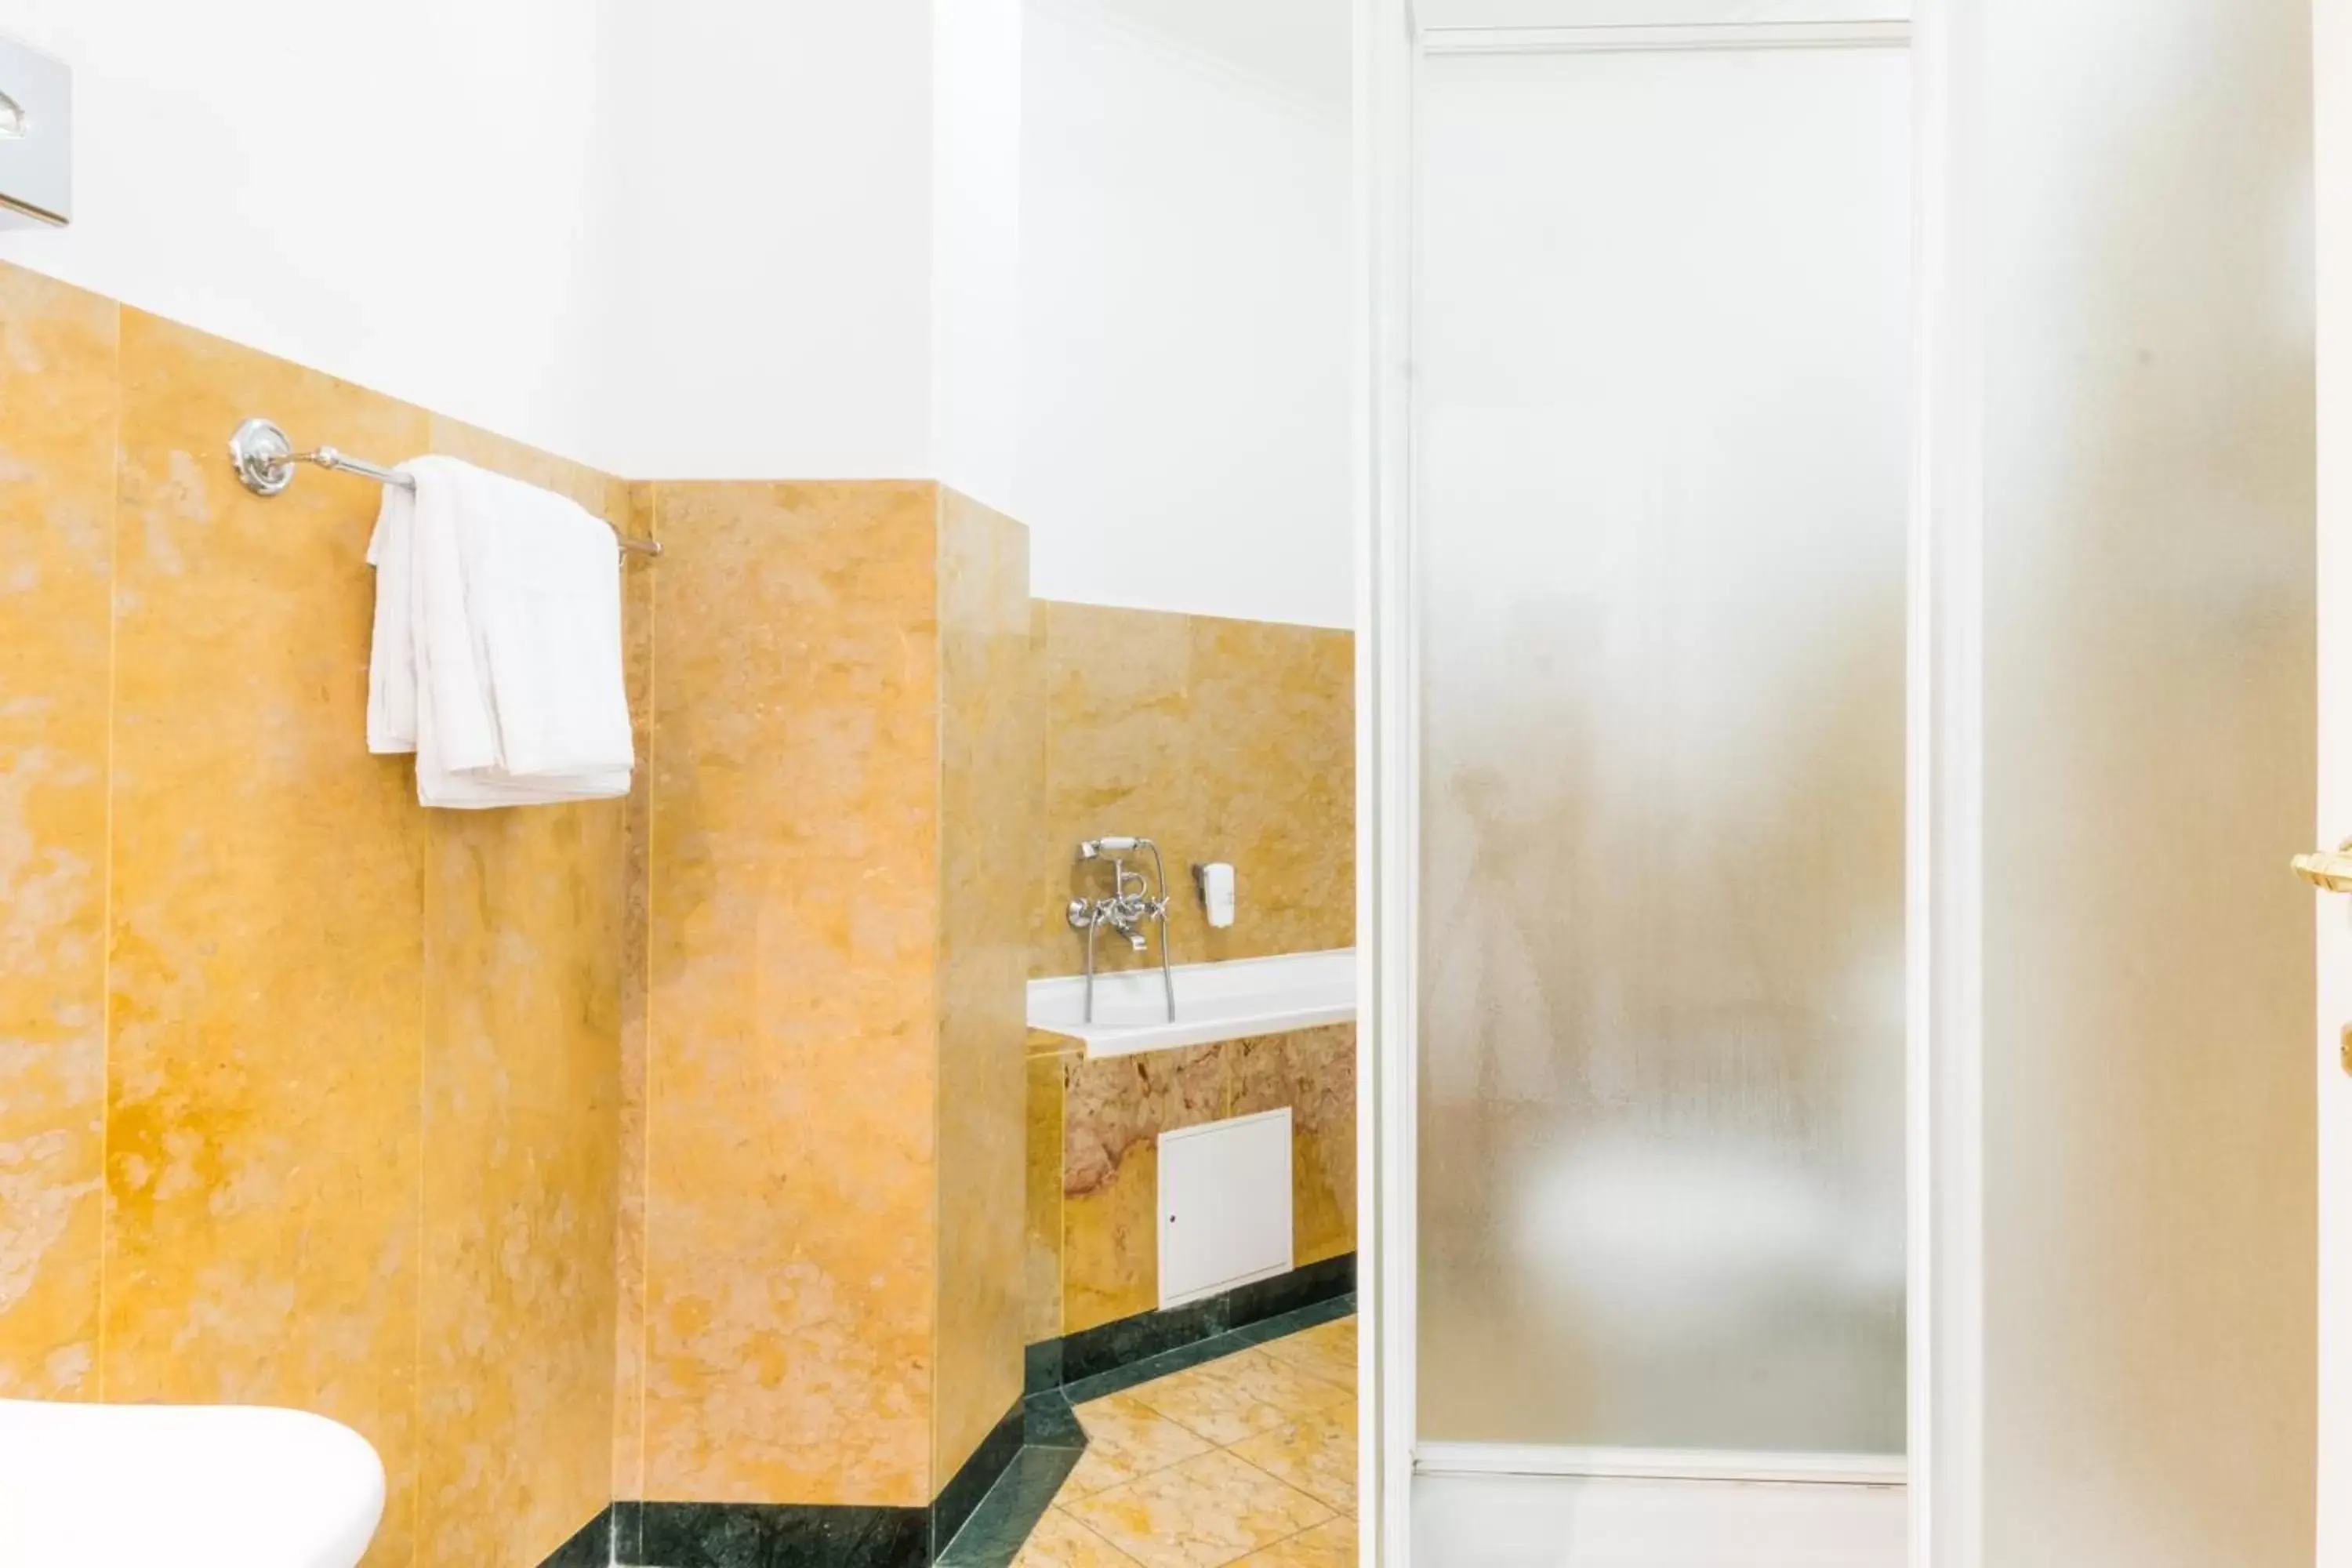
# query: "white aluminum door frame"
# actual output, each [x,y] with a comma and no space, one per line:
[1943,1045]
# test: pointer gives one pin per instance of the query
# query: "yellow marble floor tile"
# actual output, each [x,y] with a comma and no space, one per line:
[1317,1454]
[1331,1545]
[1326,1351]
[1061,1542]
[1199,1514]
[1127,1439]
[1238,1396]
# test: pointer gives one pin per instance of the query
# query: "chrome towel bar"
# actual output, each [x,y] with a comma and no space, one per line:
[265,461]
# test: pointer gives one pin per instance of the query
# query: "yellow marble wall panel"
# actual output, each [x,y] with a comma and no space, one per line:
[628,1246]
[266,920]
[1113,1110]
[523,951]
[991,750]
[790,1226]
[1117,692]
[1272,745]
[1224,740]
[58,388]
[1041,1251]
[1313,1071]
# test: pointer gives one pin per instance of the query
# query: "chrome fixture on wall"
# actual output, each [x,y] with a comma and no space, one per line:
[35,137]
[265,461]
[1135,901]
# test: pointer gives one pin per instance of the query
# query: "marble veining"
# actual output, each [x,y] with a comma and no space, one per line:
[754,1535]
[832,1117]
[322,1089]
[59,382]
[794,932]
[1041,1256]
[1114,1108]
[266,952]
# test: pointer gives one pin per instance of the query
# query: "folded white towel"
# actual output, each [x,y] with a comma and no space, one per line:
[497,655]
[391,657]
[543,591]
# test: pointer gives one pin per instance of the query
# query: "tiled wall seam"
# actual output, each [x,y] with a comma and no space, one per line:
[1114,1111]
[106,949]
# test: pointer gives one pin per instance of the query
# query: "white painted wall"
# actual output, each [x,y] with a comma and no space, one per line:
[976,263]
[400,202]
[1086,259]
[1186,356]
[767,221]
[662,237]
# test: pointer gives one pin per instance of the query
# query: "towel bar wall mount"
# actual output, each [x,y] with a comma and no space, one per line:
[265,461]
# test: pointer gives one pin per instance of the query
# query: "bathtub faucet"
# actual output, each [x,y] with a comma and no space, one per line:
[1135,901]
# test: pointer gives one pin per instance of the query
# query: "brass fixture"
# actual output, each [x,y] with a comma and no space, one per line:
[2330,872]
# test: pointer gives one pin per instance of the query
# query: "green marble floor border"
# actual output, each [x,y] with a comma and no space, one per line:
[1232,1341]
[1002,1524]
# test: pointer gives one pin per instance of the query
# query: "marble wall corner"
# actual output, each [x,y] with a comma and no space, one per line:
[794,868]
[640,585]
[991,752]
[1041,1265]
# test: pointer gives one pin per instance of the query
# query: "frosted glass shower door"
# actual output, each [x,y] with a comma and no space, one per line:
[1660,407]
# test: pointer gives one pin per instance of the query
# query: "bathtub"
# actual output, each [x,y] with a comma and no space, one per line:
[1228,1001]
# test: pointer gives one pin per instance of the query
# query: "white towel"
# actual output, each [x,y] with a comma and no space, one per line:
[543,589]
[392,656]
[497,655]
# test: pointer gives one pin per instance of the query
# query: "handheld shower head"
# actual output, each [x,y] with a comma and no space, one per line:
[1095,849]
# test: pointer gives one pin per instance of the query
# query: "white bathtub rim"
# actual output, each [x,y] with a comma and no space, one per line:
[1233,999]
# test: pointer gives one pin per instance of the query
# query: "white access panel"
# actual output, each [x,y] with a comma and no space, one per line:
[1225,1205]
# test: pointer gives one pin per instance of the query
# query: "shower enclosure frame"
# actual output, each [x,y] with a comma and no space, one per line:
[1943,893]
